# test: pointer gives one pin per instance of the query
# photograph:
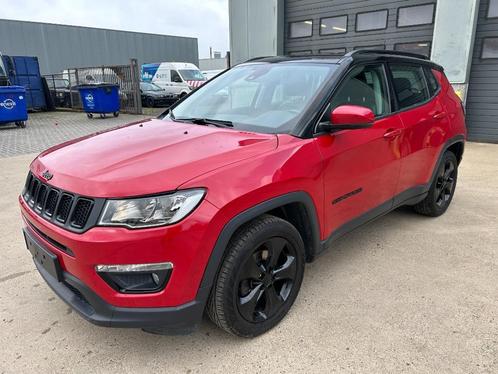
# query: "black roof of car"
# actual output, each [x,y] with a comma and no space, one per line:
[354,56]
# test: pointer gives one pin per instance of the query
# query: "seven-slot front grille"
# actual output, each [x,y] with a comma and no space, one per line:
[66,209]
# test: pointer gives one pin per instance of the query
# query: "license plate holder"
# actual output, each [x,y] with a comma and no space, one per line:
[44,258]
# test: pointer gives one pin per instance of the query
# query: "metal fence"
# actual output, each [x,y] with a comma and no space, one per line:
[63,87]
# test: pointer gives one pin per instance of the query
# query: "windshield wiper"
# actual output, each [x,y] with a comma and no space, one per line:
[207,122]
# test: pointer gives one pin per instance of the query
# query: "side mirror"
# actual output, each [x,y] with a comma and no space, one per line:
[350,117]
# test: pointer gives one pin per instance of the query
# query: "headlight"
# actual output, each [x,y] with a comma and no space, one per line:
[151,211]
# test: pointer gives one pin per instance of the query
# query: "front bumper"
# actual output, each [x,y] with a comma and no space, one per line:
[90,306]
[176,308]
[182,318]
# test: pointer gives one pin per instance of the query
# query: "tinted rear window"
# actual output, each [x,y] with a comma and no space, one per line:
[409,85]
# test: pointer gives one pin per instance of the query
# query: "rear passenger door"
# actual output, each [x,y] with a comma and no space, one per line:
[424,120]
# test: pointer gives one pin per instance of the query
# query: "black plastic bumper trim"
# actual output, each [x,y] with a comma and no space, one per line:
[91,307]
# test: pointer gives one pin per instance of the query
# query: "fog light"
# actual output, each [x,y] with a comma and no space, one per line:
[139,278]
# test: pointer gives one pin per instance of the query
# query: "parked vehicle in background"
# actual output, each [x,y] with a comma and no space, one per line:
[155,96]
[177,78]
[210,74]
[216,205]
[105,75]
[91,76]
[60,91]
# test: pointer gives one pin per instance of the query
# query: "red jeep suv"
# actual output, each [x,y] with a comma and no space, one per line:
[217,205]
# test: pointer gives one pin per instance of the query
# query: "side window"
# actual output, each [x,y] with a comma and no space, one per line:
[431,81]
[409,85]
[364,86]
[175,77]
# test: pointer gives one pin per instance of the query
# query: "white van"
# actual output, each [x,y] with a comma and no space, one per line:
[177,78]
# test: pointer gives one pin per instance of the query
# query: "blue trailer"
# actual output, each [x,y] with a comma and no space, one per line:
[25,71]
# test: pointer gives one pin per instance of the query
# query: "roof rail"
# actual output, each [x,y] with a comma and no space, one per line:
[385,52]
[257,58]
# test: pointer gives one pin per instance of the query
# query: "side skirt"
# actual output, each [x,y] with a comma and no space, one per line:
[409,197]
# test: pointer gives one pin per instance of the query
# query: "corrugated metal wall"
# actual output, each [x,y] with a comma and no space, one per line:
[59,47]
[298,10]
[482,97]
[254,29]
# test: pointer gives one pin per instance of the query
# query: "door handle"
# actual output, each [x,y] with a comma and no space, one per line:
[439,115]
[392,133]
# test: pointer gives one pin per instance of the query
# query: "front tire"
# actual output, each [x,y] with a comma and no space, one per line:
[259,279]
[150,102]
[442,189]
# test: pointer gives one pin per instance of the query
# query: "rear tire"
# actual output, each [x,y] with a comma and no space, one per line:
[89,115]
[21,124]
[115,114]
[442,189]
[259,278]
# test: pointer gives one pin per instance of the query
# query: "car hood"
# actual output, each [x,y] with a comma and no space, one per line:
[156,93]
[146,157]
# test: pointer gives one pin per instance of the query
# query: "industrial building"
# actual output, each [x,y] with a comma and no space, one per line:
[461,35]
[60,47]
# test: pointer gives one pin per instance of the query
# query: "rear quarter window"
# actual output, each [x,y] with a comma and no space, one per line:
[432,82]
[409,85]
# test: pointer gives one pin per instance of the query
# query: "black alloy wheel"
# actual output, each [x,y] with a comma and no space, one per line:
[442,189]
[445,183]
[259,278]
[266,280]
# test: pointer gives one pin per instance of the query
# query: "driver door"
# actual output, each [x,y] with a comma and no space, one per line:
[361,167]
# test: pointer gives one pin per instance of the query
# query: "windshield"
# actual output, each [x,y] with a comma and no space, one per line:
[145,86]
[2,73]
[60,83]
[192,75]
[262,97]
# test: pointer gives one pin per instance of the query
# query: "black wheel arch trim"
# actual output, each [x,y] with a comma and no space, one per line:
[456,139]
[229,229]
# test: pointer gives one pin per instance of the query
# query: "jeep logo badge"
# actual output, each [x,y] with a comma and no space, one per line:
[47,175]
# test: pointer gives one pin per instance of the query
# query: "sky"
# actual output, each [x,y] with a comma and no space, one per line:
[206,20]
